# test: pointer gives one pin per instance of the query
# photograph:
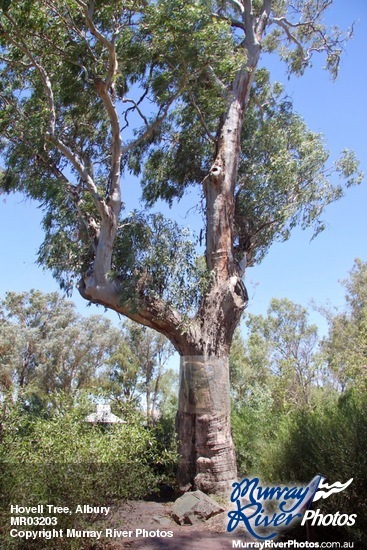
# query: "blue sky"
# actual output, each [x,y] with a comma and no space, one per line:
[303,269]
[300,269]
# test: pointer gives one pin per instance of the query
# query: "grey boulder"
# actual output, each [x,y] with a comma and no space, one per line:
[195,507]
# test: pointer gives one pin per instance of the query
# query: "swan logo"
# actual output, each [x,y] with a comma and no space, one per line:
[288,505]
[324,490]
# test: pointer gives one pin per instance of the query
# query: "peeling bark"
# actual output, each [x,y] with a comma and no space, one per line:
[207,458]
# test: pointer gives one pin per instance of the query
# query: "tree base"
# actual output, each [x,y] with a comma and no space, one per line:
[207,458]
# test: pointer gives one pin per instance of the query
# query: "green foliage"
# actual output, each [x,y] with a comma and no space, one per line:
[284,438]
[285,180]
[155,258]
[190,41]
[136,375]
[55,36]
[295,48]
[47,349]
[284,176]
[286,346]
[187,36]
[254,424]
[331,440]
[67,462]
[164,430]
[345,347]
[176,62]
[288,421]
[4,5]
[254,412]
[66,249]
[275,371]
[248,365]
[50,362]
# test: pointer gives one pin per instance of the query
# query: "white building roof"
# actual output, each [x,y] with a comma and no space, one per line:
[104,415]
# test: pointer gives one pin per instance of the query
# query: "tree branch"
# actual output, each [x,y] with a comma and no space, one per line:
[50,132]
[263,19]
[73,193]
[321,42]
[201,118]
[109,45]
[153,313]
[237,4]
[89,223]
[21,45]
[82,172]
[153,125]
[136,107]
[249,21]
[105,90]
[209,71]
[282,22]
[114,191]
[233,22]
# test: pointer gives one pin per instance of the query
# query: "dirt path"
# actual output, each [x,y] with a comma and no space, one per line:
[154,518]
[192,539]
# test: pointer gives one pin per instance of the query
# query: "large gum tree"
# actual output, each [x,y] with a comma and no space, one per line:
[95,94]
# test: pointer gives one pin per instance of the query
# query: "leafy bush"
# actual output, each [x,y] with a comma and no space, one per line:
[331,440]
[253,424]
[67,462]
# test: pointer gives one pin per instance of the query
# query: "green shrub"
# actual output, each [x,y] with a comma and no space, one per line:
[253,425]
[67,462]
[331,440]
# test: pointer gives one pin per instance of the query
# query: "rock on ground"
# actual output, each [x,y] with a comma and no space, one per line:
[195,507]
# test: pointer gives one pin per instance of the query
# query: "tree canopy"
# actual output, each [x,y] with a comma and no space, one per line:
[91,92]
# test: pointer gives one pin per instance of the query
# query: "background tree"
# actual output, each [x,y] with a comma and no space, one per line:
[137,370]
[289,348]
[48,349]
[254,415]
[173,95]
[248,365]
[346,344]
[276,370]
